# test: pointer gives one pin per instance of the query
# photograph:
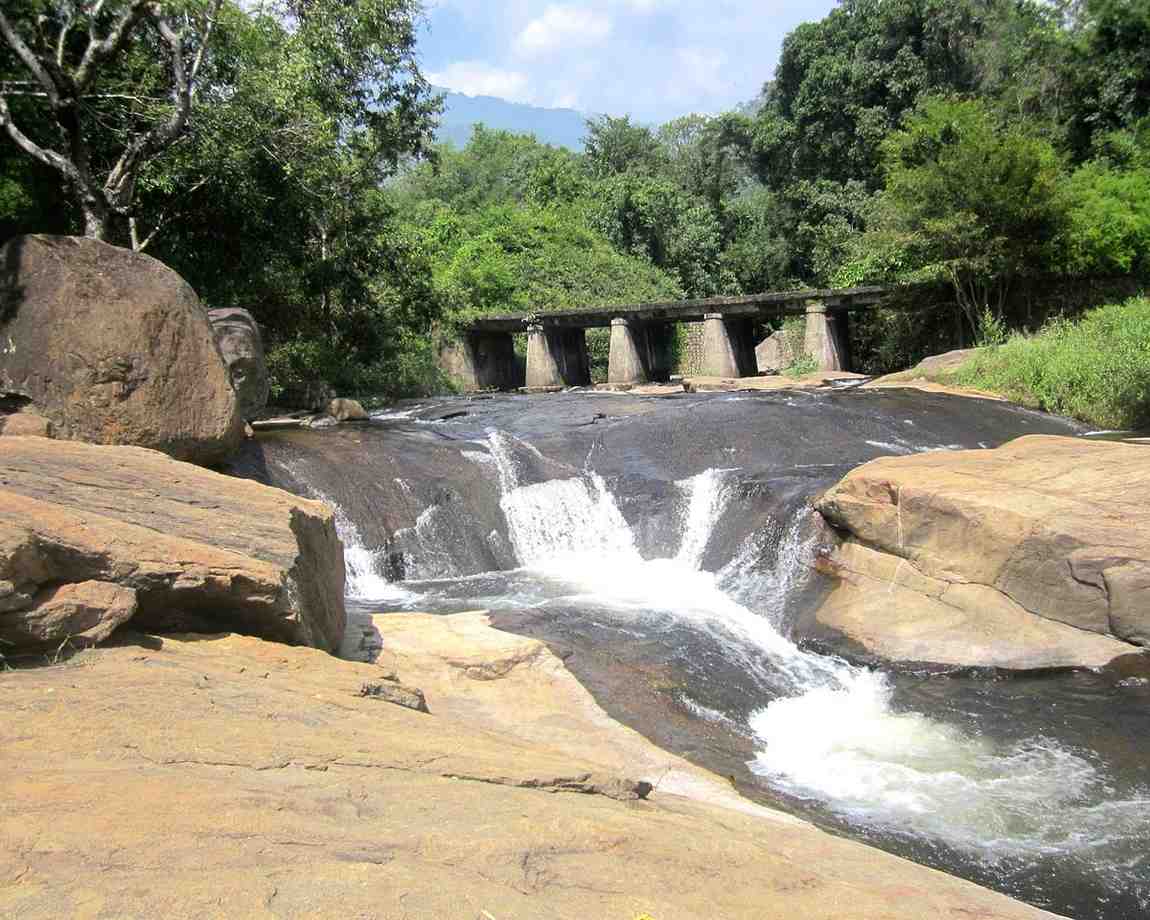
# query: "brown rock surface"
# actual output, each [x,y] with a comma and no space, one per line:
[113,347]
[935,374]
[347,410]
[1036,554]
[201,550]
[83,612]
[25,425]
[227,777]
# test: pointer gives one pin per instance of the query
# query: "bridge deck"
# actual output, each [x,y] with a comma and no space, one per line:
[749,305]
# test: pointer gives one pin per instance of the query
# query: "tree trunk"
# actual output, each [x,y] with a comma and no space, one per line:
[97,218]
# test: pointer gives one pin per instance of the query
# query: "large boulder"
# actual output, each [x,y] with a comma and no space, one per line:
[1033,555]
[113,347]
[168,779]
[774,353]
[242,348]
[92,536]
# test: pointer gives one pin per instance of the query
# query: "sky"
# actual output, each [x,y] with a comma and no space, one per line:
[651,59]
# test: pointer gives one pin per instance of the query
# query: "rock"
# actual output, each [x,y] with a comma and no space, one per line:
[400,695]
[238,337]
[932,368]
[168,778]
[318,421]
[113,347]
[347,410]
[83,612]
[198,548]
[1036,554]
[25,425]
[774,353]
[885,606]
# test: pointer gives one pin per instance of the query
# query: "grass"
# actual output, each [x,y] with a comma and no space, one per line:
[1096,369]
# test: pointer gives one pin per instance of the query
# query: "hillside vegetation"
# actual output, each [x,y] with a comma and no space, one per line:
[1096,369]
[990,146]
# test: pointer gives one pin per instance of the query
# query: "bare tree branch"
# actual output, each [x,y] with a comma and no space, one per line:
[28,59]
[99,50]
[121,180]
[30,147]
[165,218]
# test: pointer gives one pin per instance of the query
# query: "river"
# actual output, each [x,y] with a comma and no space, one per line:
[662,546]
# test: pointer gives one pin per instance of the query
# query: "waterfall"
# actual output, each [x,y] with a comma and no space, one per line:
[831,732]
[364,578]
[707,498]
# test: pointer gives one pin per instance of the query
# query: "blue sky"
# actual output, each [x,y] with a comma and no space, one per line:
[652,59]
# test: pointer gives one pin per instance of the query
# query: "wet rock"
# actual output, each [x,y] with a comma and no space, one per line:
[241,345]
[318,422]
[113,347]
[193,547]
[1036,554]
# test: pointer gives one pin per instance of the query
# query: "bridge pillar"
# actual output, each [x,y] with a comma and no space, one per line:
[728,347]
[625,363]
[557,357]
[481,361]
[827,339]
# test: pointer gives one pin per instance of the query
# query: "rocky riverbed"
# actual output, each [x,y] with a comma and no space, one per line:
[668,703]
[667,550]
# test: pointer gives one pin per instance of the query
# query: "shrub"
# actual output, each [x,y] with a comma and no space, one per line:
[1096,369]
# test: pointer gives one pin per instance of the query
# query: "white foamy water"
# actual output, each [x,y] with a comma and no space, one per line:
[913,775]
[707,497]
[832,734]
[363,568]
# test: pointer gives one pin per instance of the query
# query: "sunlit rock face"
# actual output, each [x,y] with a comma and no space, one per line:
[112,347]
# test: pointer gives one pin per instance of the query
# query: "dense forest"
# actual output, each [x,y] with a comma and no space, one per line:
[280,156]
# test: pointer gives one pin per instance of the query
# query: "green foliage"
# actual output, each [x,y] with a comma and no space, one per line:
[843,83]
[992,330]
[1096,369]
[968,201]
[983,143]
[803,364]
[1108,228]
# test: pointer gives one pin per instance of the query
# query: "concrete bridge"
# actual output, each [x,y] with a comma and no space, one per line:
[483,357]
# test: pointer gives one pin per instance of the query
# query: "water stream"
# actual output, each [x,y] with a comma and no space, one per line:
[1036,786]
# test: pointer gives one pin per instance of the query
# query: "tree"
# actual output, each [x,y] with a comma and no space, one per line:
[70,50]
[614,146]
[969,201]
[843,83]
[1110,69]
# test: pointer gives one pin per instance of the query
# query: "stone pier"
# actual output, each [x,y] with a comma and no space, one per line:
[556,358]
[481,361]
[639,353]
[827,339]
[728,347]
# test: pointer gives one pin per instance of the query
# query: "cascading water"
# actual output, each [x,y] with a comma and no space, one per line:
[831,732]
[821,730]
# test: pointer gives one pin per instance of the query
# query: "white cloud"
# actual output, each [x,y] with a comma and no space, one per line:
[477,78]
[654,59]
[562,27]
